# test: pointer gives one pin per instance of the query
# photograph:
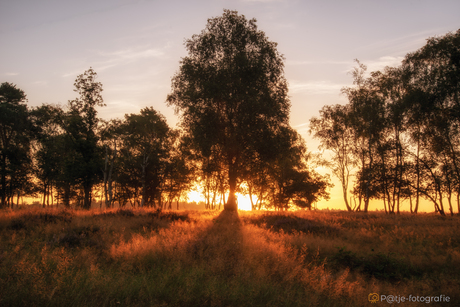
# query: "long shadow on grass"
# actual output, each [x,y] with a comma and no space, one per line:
[291,223]
[220,245]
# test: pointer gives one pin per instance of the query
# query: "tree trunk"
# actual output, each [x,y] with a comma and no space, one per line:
[87,201]
[345,190]
[3,181]
[144,188]
[231,204]
[67,195]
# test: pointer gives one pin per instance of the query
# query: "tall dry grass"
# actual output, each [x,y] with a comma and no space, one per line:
[192,258]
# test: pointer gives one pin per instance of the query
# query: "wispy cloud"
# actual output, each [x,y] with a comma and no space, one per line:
[315,87]
[122,57]
[73,73]
[102,60]
[11,74]
[384,61]
[288,62]
[263,1]
[41,83]
[403,44]
[133,54]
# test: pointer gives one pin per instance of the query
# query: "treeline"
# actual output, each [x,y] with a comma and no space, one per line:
[64,155]
[399,134]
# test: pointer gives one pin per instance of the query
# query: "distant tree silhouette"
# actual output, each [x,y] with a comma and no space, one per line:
[144,155]
[110,133]
[291,181]
[84,161]
[15,142]
[405,126]
[333,130]
[231,93]
[49,148]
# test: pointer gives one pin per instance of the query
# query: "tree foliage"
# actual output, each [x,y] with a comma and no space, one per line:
[16,133]
[232,96]
[405,126]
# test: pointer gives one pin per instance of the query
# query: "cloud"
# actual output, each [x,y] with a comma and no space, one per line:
[401,45]
[315,87]
[102,60]
[125,56]
[318,62]
[377,64]
[132,54]
[73,73]
[41,83]
[11,74]
[263,1]
[383,62]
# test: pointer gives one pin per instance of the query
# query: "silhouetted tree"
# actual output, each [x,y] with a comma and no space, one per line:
[15,142]
[84,162]
[433,86]
[366,120]
[333,129]
[231,92]
[180,171]
[144,155]
[291,181]
[49,150]
[110,134]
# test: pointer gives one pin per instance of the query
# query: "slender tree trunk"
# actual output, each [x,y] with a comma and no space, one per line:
[345,191]
[3,181]
[231,204]
[87,200]
[144,165]
[458,202]
[44,195]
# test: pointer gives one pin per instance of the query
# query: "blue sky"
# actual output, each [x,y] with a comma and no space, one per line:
[135,45]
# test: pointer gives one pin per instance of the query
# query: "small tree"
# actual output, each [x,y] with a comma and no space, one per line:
[334,132]
[145,153]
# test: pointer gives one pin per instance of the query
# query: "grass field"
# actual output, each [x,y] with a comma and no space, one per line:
[201,258]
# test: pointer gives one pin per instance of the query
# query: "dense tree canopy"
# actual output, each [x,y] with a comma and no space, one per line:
[16,133]
[231,94]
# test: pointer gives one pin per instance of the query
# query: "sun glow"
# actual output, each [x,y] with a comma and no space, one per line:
[194,196]
[244,202]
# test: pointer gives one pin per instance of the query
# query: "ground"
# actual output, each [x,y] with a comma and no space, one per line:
[216,258]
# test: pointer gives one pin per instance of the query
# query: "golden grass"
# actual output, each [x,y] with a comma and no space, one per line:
[198,258]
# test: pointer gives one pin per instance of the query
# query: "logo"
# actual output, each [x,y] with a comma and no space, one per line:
[373,297]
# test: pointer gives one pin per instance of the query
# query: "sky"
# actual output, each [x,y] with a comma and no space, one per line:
[135,46]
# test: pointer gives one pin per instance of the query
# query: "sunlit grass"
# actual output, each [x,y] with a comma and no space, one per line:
[201,258]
